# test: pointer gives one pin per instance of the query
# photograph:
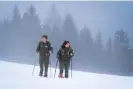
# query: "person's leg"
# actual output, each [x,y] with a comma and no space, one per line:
[46,65]
[61,65]
[41,67]
[67,69]
[46,69]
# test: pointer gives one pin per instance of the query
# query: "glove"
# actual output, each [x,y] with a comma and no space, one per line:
[71,54]
[50,52]
[57,56]
[37,53]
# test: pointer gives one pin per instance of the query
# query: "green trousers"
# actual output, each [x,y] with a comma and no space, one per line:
[64,65]
[44,62]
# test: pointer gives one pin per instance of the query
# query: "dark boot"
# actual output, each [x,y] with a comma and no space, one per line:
[40,74]
[66,76]
[45,75]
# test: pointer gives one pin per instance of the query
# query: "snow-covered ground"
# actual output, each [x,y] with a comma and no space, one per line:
[19,76]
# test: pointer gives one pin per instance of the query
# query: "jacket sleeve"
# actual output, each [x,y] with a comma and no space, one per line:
[50,47]
[38,47]
[58,54]
[71,52]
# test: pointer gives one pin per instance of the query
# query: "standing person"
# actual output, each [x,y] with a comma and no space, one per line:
[44,49]
[64,56]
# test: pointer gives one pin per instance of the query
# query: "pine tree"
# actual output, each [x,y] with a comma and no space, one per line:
[25,22]
[15,31]
[25,34]
[109,54]
[34,28]
[32,11]
[53,19]
[5,37]
[99,52]
[87,42]
[122,51]
[109,45]
[16,18]
[52,25]
[70,32]
[34,21]
[98,42]
[31,30]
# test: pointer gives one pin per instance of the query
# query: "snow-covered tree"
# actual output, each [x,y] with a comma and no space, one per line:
[53,18]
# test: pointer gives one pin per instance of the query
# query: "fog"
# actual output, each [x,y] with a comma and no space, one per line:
[99,32]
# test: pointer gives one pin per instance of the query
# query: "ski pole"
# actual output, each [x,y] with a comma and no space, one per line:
[56,68]
[34,67]
[71,68]
[50,68]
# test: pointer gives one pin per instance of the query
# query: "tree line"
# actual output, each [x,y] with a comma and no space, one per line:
[20,37]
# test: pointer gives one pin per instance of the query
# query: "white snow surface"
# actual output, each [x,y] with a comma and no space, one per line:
[19,76]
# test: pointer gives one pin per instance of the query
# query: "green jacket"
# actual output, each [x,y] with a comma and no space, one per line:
[44,48]
[65,54]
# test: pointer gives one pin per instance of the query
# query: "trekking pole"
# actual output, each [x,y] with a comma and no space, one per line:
[50,68]
[56,68]
[34,67]
[71,68]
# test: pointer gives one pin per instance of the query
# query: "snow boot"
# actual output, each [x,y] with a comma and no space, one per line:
[66,76]
[60,75]
[40,74]
[45,76]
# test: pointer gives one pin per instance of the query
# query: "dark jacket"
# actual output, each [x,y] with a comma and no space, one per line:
[44,48]
[65,54]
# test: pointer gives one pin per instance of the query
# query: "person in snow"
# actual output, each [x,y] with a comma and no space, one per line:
[44,49]
[64,56]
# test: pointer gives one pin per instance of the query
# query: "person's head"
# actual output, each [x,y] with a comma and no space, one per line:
[66,44]
[44,38]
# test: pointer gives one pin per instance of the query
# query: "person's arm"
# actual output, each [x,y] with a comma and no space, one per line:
[50,47]
[58,54]
[38,48]
[71,52]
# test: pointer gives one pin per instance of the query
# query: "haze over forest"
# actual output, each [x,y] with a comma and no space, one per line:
[100,32]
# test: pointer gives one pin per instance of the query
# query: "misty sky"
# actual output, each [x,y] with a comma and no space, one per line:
[106,17]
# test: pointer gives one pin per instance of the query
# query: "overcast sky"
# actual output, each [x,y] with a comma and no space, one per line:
[106,17]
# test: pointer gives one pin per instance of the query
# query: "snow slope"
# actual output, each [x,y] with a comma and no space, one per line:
[18,76]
